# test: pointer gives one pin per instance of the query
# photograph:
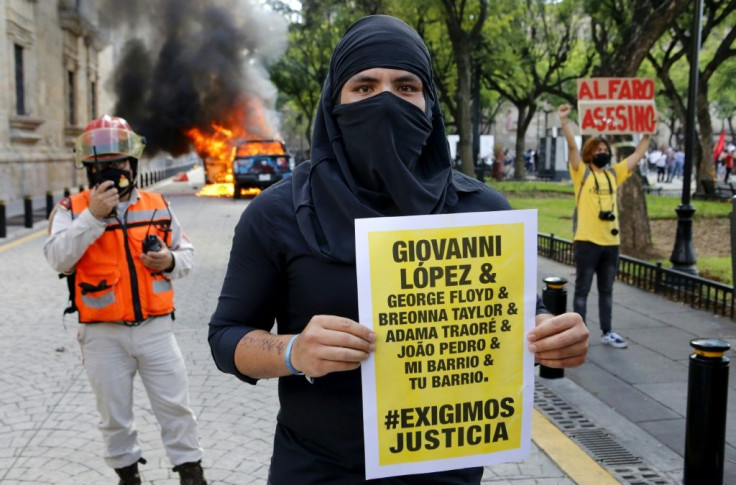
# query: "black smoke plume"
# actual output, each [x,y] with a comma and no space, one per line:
[187,63]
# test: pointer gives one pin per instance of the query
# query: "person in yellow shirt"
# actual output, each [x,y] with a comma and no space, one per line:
[596,229]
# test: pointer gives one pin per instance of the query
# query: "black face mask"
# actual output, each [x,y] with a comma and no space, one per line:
[383,137]
[122,179]
[600,160]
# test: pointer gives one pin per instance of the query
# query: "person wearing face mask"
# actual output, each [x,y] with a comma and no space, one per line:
[378,149]
[119,248]
[596,238]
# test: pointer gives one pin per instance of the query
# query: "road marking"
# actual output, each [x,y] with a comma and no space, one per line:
[567,455]
[22,240]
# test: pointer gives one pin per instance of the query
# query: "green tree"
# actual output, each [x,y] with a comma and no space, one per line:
[724,94]
[464,21]
[313,34]
[672,58]
[527,56]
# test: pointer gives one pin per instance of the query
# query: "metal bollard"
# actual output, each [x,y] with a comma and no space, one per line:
[554,297]
[3,220]
[705,421]
[27,211]
[49,203]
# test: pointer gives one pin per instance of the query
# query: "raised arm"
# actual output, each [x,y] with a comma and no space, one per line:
[639,152]
[573,152]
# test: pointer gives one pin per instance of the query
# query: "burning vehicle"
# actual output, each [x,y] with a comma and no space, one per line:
[196,80]
[241,154]
[259,164]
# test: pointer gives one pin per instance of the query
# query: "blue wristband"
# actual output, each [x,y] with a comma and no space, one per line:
[287,357]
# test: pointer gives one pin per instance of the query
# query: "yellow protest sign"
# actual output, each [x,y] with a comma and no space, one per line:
[450,298]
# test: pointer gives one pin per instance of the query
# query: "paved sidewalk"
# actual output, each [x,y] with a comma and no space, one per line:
[48,419]
[48,434]
[639,394]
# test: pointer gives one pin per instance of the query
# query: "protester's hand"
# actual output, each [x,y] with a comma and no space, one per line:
[559,341]
[331,344]
[103,199]
[563,111]
[160,260]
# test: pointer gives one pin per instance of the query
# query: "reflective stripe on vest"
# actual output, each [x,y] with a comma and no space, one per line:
[112,284]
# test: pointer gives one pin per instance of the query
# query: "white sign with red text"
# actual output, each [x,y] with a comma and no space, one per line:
[616,105]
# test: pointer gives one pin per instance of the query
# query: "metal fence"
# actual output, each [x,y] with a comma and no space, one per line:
[695,291]
[30,215]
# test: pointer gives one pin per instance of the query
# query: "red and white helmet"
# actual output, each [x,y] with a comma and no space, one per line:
[107,139]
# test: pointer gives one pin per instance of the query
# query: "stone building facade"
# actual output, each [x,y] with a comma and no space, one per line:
[53,61]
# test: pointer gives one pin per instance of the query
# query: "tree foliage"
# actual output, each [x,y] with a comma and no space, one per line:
[527,52]
[527,56]
[301,72]
[671,62]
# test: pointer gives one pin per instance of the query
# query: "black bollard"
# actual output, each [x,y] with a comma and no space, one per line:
[3,220]
[705,421]
[27,211]
[49,203]
[554,297]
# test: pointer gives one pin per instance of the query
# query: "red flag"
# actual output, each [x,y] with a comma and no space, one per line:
[719,145]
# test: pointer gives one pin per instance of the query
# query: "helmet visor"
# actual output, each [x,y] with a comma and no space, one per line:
[107,144]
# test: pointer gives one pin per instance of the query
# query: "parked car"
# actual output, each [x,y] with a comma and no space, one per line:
[259,164]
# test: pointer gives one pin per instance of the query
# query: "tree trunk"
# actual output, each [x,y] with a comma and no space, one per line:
[463,102]
[635,230]
[706,175]
[636,235]
[463,43]
[525,114]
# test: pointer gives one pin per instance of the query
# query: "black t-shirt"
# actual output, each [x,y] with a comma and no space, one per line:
[272,277]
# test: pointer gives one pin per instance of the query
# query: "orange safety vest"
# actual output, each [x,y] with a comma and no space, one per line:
[111,283]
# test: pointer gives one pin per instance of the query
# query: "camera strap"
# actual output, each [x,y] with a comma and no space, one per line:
[586,174]
[598,189]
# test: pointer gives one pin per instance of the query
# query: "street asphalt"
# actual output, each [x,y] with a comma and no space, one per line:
[625,409]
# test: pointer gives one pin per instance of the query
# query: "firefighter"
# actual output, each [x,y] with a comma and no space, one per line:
[120,248]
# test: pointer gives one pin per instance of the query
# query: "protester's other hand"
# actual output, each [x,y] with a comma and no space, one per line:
[563,111]
[160,260]
[331,344]
[103,199]
[559,341]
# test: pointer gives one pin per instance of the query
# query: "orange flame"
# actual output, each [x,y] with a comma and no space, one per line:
[217,145]
[261,147]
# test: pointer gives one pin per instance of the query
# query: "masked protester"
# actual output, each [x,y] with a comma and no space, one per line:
[596,227]
[378,149]
[119,248]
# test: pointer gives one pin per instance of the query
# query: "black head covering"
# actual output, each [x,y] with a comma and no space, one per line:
[328,197]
